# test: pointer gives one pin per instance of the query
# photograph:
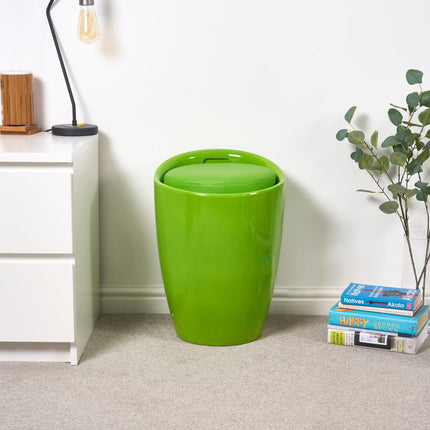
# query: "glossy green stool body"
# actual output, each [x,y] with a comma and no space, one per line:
[219,249]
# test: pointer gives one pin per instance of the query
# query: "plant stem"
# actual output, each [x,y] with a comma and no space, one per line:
[417,280]
[427,250]
[423,274]
[407,233]
[404,217]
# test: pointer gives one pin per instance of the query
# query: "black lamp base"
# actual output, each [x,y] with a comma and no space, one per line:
[74,130]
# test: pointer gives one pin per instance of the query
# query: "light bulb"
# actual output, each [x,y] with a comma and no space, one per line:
[88,27]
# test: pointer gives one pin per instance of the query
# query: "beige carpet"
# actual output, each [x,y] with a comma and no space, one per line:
[136,374]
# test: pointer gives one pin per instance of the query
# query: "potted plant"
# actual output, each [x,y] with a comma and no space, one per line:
[396,165]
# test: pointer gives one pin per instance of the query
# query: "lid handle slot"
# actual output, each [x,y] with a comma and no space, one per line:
[215,160]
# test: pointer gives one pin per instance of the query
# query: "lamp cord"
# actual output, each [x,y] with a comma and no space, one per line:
[60,57]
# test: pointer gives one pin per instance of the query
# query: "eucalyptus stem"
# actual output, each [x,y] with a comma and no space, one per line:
[404,217]
[405,224]
[423,274]
[427,250]
[417,280]
[407,150]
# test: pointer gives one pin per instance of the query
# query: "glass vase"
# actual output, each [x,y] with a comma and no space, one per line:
[415,260]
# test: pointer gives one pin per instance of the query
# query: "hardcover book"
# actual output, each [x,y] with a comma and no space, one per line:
[379,321]
[382,297]
[383,310]
[393,342]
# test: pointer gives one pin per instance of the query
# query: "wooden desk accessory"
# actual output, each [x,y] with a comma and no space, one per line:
[17,104]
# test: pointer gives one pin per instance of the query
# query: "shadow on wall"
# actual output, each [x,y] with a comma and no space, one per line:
[305,240]
[127,239]
[39,116]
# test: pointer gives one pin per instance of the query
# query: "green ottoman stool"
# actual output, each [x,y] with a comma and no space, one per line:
[219,217]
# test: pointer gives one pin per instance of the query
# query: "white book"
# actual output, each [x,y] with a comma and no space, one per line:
[395,342]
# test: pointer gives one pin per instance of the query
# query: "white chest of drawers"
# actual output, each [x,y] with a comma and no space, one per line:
[49,256]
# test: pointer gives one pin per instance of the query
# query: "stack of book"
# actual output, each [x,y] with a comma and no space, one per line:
[393,319]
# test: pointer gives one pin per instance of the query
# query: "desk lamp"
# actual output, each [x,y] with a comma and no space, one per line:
[88,32]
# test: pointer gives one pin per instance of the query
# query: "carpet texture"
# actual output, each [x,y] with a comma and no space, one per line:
[136,374]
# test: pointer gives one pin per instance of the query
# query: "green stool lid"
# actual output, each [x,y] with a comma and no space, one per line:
[220,178]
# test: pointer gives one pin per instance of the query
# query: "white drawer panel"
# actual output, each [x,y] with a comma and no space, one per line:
[35,210]
[36,300]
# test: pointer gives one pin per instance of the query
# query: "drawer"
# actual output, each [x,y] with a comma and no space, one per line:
[36,300]
[36,210]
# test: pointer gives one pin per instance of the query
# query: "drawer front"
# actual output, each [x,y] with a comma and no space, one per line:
[36,300]
[36,210]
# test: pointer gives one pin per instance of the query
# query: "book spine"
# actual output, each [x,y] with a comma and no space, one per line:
[386,341]
[381,310]
[373,321]
[378,302]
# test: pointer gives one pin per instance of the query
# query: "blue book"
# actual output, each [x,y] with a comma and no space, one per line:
[379,321]
[381,297]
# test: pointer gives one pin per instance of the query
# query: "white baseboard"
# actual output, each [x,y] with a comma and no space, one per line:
[152,300]
[36,351]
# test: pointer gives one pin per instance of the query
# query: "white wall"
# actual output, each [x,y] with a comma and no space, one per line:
[273,77]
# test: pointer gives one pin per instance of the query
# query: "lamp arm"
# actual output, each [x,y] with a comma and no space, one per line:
[60,57]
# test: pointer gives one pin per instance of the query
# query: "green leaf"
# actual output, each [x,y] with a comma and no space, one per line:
[383,162]
[357,154]
[398,107]
[365,161]
[356,137]
[401,148]
[350,114]
[368,191]
[397,189]
[419,145]
[425,99]
[390,141]
[412,124]
[389,207]
[414,136]
[402,133]
[341,134]
[421,185]
[422,196]
[424,117]
[395,116]
[423,191]
[398,158]
[414,76]
[414,166]
[411,193]
[374,139]
[413,100]
[424,156]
